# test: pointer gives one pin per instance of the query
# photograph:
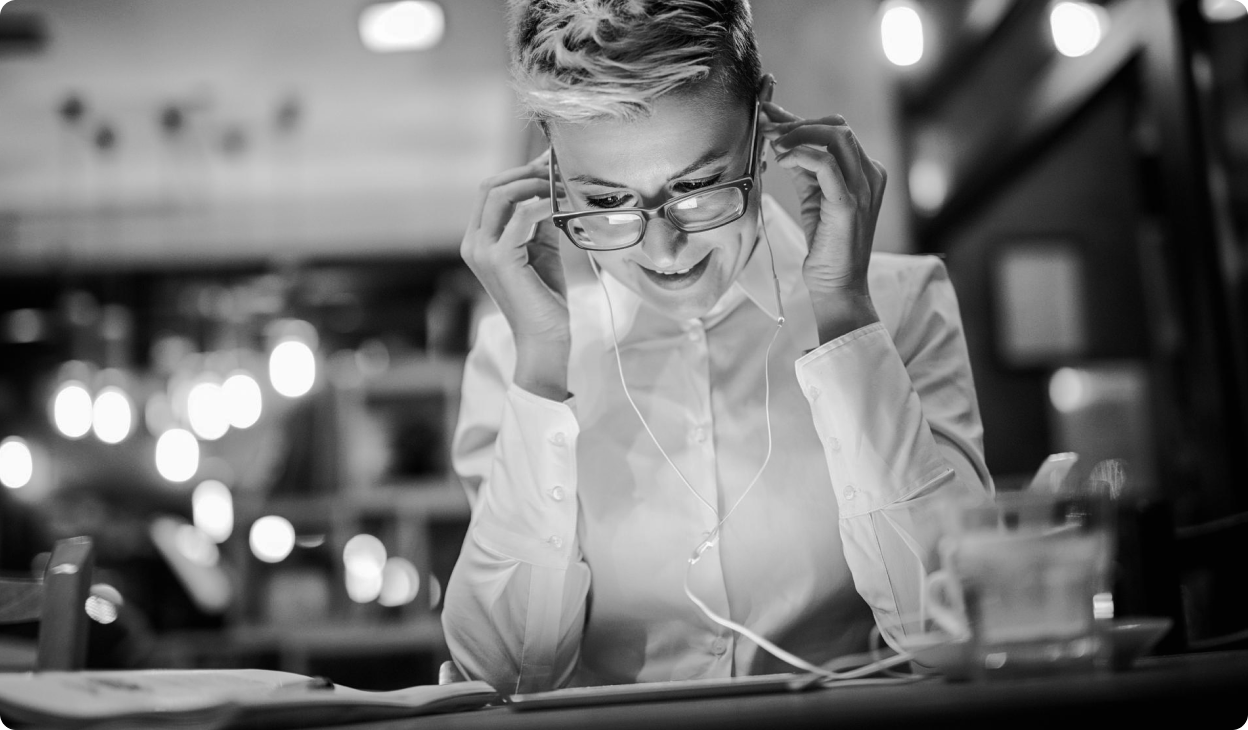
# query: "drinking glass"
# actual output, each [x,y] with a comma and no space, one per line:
[1024,579]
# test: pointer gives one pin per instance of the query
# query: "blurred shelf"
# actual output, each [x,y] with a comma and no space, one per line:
[296,642]
[364,481]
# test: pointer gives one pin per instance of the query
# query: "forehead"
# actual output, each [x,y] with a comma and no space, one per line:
[682,129]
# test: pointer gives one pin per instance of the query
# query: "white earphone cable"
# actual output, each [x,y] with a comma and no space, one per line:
[826,675]
[620,366]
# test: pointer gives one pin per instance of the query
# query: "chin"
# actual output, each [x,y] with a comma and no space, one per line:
[683,306]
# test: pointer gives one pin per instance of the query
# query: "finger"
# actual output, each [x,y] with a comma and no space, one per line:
[819,135]
[825,168]
[537,168]
[882,176]
[840,142]
[524,219]
[855,165]
[772,131]
[876,175]
[777,113]
[501,201]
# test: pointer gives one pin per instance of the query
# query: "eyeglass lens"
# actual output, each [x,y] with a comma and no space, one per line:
[700,212]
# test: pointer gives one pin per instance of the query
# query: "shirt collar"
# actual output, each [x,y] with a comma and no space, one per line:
[636,322]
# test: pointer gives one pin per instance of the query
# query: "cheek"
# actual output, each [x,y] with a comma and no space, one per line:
[732,242]
[614,262]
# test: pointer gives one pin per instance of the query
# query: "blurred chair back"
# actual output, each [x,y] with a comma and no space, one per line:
[1210,556]
[57,602]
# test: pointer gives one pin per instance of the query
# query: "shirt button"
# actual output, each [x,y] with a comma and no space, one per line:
[698,434]
[719,647]
[834,445]
[849,492]
[555,541]
[558,439]
[557,494]
[695,335]
[813,392]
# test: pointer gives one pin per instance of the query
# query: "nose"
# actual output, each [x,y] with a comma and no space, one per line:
[663,243]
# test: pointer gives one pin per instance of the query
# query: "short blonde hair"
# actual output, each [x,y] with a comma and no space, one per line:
[584,60]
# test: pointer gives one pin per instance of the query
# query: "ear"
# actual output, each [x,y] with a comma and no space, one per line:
[766,85]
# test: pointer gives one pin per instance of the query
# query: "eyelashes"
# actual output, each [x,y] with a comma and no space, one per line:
[682,188]
[607,201]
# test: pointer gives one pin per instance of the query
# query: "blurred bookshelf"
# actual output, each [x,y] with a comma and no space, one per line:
[379,490]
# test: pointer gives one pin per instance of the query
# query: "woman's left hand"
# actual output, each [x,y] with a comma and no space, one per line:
[840,190]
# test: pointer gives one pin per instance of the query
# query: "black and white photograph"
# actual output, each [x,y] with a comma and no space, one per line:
[630,364]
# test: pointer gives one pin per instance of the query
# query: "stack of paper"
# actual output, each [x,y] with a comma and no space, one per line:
[210,699]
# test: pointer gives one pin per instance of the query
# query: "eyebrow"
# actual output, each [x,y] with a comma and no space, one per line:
[707,159]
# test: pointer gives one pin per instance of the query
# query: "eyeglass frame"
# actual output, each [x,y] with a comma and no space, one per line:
[745,184]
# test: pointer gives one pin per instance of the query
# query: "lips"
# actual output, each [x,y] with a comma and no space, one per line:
[679,279]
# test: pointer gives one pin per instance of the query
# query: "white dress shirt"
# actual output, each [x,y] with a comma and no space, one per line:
[573,569]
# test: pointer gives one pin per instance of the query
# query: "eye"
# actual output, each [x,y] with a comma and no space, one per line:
[608,201]
[688,186]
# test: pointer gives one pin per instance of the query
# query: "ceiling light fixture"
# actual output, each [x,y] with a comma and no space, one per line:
[410,25]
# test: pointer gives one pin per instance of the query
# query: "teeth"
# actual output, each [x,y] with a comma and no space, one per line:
[677,273]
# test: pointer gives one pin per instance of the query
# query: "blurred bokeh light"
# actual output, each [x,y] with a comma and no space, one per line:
[206,409]
[243,399]
[1077,27]
[272,538]
[72,410]
[410,25]
[292,368]
[17,465]
[901,32]
[112,415]
[212,509]
[400,583]
[177,455]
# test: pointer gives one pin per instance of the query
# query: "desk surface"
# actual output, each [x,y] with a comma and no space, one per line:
[1205,690]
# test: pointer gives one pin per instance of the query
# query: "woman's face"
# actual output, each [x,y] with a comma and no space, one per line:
[692,140]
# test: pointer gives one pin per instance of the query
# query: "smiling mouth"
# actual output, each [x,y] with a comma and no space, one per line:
[679,278]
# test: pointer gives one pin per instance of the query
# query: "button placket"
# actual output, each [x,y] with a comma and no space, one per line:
[556,492]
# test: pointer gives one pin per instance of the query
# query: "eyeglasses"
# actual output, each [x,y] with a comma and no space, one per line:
[701,210]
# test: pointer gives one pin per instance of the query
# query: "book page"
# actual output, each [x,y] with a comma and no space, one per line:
[70,699]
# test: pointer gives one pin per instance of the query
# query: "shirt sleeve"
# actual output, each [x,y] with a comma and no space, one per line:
[900,427]
[515,603]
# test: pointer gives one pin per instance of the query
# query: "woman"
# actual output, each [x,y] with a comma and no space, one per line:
[699,415]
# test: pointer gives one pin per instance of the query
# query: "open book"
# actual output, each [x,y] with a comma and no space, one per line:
[213,699]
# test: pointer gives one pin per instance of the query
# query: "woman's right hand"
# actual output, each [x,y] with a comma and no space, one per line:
[522,272]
